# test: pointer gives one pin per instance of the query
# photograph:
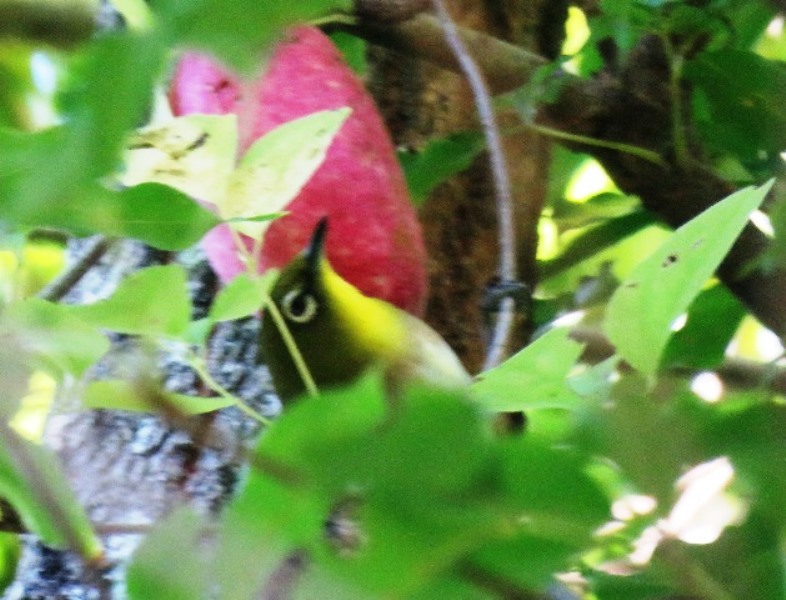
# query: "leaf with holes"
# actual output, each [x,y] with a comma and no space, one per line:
[642,310]
[194,154]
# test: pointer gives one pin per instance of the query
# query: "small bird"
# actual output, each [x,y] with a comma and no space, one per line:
[341,333]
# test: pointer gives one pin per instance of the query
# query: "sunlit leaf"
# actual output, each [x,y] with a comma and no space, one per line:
[276,167]
[640,314]
[195,154]
[596,239]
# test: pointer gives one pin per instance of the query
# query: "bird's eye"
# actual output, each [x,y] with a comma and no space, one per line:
[298,306]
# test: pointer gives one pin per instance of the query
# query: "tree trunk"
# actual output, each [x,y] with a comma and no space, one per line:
[130,470]
[421,101]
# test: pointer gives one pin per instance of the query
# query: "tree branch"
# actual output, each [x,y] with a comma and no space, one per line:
[62,24]
[630,105]
[504,66]
[55,291]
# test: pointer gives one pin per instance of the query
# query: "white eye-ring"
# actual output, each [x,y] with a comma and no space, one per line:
[299,307]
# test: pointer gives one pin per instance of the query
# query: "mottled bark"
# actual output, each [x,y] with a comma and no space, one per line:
[130,470]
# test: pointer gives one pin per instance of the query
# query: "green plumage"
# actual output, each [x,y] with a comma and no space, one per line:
[340,333]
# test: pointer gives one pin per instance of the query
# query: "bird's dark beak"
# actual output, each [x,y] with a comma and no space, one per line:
[315,251]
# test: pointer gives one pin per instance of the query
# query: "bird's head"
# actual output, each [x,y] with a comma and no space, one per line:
[339,331]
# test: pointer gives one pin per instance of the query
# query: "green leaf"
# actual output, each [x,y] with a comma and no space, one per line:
[241,297]
[353,50]
[603,206]
[10,551]
[151,575]
[153,302]
[158,215]
[533,378]
[424,483]
[641,432]
[259,218]
[107,95]
[559,502]
[116,394]
[642,310]
[198,331]
[277,166]
[438,161]
[241,30]
[153,213]
[527,561]
[33,482]
[52,338]
[595,383]
[642,586]
[38,170]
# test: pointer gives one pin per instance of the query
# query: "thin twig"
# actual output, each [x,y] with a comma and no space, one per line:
[281,583]
[196,363]
[503,329]
[559,134]
[65,283]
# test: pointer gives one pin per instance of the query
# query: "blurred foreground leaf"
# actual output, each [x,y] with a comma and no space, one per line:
[33,482]
[51,338]
[533,378]
[426,484]
[151,575]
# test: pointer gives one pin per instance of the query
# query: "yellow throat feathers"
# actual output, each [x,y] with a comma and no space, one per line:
[373,325]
